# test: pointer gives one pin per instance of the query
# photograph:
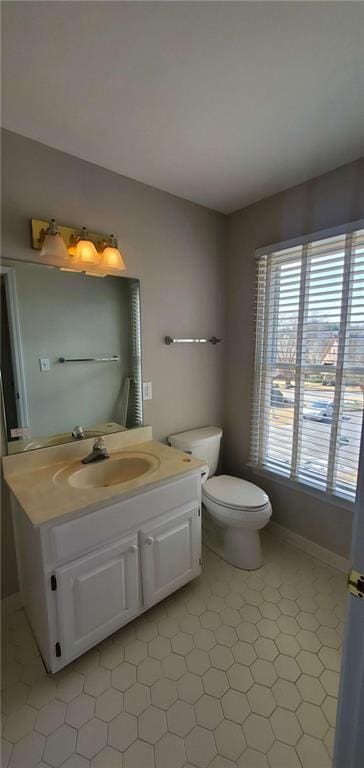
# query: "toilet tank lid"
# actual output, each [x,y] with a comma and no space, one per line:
[195,436]
[235,492]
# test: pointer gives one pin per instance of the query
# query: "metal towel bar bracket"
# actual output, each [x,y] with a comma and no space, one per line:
[169,340]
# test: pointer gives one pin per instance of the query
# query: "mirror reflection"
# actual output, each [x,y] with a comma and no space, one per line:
[71,355]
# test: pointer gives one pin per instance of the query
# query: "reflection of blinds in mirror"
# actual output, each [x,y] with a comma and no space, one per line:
[309,367]
[135,410]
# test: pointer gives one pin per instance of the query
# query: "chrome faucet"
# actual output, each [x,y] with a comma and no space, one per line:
[78,433]
[99,452]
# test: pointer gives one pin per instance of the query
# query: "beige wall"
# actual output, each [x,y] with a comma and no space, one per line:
[327,201]
[173,246]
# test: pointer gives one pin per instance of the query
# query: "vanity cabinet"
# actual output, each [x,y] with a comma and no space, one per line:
[84,577]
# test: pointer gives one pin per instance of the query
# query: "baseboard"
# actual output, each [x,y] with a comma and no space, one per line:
[310,547]
[11,603]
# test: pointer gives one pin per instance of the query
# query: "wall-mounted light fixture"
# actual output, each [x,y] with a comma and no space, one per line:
[77,249]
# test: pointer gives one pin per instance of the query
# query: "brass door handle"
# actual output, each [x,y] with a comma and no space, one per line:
[356,583]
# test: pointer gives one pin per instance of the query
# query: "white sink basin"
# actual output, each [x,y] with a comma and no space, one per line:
[117,470]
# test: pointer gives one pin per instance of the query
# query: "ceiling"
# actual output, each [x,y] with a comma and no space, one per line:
[222,103]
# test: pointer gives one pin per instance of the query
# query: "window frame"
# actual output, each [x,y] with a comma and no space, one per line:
[328,495]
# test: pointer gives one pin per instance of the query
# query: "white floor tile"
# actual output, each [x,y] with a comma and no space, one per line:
[236,669]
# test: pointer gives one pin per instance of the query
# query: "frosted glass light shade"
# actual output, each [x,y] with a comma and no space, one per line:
[86,252]
[111,257]
[54,247]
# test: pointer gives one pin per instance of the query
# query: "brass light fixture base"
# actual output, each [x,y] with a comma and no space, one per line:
[69,234]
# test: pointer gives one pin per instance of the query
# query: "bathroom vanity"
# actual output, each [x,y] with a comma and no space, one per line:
[96,548]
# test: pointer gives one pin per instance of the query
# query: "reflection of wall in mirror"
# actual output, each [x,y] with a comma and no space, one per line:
[72,315]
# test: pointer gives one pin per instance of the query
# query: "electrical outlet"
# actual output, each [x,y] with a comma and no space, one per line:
[44,364]
[147,390]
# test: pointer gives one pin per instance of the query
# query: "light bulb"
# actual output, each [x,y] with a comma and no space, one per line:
[111,256]
[72,246]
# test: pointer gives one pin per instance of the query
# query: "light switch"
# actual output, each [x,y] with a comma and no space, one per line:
[19,432]
[44,364]
[147,390]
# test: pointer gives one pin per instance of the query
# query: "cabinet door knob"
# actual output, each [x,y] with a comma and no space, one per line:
[149,540]
[133,548]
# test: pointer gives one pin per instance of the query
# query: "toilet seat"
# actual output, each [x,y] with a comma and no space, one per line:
[235,494]
[236,503]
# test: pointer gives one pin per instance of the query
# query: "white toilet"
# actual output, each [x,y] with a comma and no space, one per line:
[236,509]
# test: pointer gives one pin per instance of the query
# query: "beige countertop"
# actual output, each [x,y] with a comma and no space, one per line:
[45,500]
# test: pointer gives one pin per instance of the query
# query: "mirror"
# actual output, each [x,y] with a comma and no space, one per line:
[71,354]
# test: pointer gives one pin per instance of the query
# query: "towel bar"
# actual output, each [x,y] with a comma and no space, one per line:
[169,340]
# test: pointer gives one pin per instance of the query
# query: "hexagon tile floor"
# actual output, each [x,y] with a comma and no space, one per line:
[235,669]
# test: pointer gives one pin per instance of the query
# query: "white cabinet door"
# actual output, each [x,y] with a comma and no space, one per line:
[170,552]
[97,594]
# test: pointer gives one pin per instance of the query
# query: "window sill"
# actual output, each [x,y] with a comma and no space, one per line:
[295,485]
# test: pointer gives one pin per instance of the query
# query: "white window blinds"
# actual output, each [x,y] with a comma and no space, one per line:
[309,367]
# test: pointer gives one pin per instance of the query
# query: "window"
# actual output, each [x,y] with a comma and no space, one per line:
[309,367]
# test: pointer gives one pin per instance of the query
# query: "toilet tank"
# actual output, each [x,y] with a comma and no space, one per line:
[203,443]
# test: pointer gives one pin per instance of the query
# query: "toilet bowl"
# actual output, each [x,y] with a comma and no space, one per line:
[234,510]
[241,509]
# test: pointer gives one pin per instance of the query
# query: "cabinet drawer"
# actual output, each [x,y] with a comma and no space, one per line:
[65,541]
